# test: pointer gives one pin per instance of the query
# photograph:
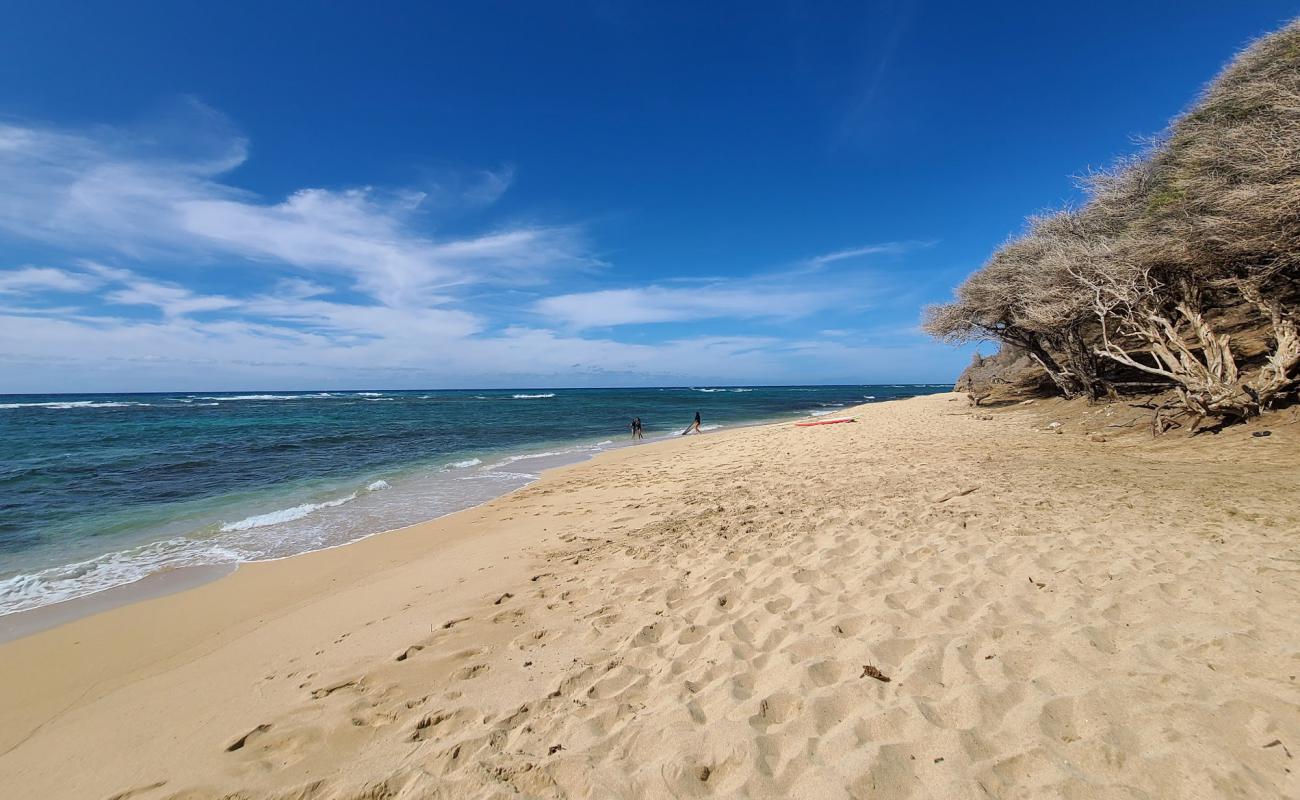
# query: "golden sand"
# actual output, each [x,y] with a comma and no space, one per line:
[716,616]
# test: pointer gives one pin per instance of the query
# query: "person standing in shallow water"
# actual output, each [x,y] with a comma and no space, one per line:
[636,429]
[694,427]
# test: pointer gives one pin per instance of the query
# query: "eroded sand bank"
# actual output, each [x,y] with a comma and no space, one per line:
[1056,617]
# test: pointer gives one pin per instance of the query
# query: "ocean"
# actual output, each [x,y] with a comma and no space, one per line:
[98,491]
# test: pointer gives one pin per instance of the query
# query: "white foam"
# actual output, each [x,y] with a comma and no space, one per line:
[260,397]
[508,460]
[70,404]
[532,396]
[275,534]
[279,533]
[526,456]
[370,394]
[821,412]
[283,515]
[69,581]
[500,475]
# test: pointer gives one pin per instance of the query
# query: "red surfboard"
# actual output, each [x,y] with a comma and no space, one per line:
[825,422]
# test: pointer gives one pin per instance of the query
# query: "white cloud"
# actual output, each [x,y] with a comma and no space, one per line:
[98,191]
[43,279]
[774,296]
[339,287]
[296,336]
[889,248]
[83,352]
[173,301]
[636,306]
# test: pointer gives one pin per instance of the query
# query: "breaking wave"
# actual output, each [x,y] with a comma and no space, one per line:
[72,404]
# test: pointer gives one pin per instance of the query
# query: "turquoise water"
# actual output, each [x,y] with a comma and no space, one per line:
[98,491]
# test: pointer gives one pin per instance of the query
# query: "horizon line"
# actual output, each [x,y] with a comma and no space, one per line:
[485,389]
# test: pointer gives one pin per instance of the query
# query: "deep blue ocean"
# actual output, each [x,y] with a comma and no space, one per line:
[97,491]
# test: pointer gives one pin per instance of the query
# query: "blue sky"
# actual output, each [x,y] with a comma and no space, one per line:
[342,195]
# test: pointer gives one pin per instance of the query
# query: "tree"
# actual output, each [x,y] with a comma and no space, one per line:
[1206,218]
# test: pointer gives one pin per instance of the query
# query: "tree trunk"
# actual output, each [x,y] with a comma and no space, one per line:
[1066,381]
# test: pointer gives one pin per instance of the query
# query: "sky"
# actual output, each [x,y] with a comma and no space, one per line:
[333,195]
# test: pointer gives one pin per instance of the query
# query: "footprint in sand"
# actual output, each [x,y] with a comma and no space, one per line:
[470,672]
[239,743]
[408,652]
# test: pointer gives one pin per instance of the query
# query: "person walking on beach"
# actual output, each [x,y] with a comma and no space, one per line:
[694,427]
[636,429]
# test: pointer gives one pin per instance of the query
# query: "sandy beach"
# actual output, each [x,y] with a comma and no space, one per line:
[935,601]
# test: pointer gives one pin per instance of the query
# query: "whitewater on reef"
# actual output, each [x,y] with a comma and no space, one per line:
[108,489]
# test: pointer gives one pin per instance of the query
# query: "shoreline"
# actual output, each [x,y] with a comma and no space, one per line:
[234,604]
[1056,616]
[18,624]
[382,492]
[24,622]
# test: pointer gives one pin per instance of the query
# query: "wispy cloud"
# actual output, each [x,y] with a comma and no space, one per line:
[876,65]
[100,190]
[650,304]
[782,295]
[43,279]
[295,336]
[163,273]
[883,248]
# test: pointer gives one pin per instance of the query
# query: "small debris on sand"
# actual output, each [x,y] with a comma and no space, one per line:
[954,494]
[1276,743]
[869,671]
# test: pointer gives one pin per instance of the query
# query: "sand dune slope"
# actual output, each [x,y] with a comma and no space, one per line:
[1055,617]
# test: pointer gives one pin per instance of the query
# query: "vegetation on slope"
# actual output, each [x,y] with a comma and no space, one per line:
[1183,266]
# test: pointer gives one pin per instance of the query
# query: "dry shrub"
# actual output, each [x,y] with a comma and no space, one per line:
[1207,217]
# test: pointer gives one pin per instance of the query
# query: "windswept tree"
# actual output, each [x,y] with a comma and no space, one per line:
[1232,176]
[1215,211]
[1022,298]
[1207,218]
